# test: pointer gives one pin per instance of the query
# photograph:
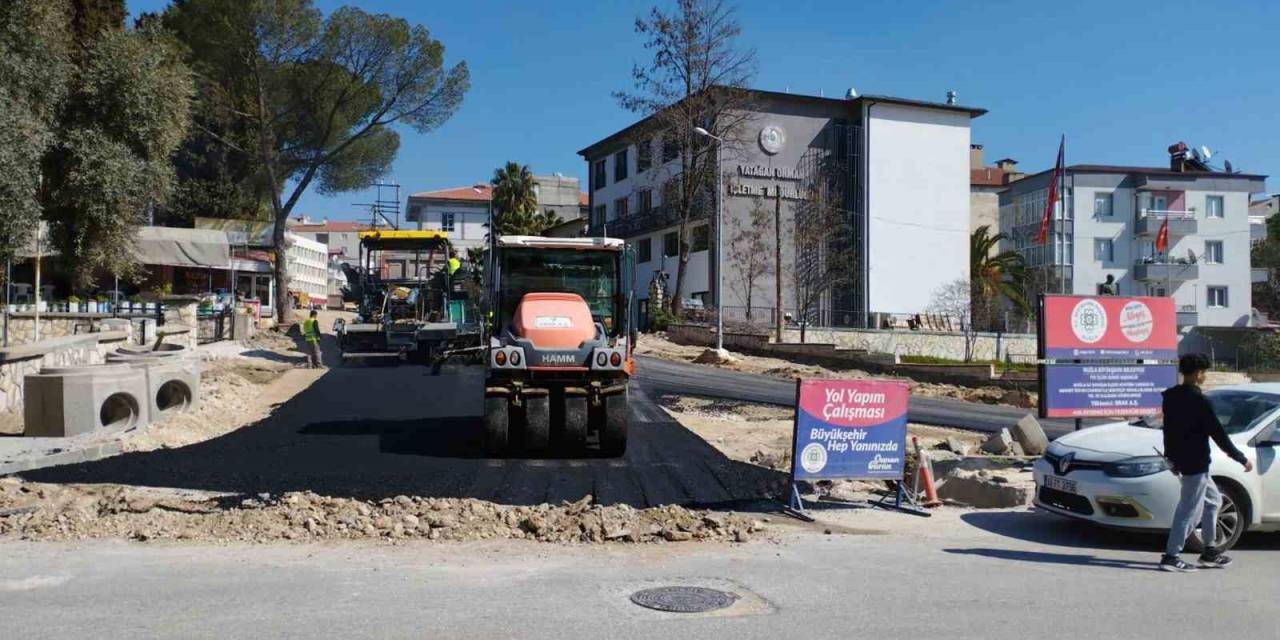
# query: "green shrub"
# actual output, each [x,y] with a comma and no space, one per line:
[660,318]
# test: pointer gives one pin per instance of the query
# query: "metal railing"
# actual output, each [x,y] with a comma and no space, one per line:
[1168,214]
[642,222]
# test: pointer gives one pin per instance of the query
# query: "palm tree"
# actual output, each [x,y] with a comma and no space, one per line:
[995,274]
[515,199]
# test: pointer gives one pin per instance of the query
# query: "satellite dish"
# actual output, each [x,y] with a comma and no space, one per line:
[851,94]
[1205,152]
[1227,165]
[1195,153]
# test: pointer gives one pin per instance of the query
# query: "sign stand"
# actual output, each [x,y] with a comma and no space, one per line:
[899,494]
[847,427]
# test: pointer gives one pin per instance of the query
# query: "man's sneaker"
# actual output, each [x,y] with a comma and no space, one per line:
[1214,559]
[1175,564]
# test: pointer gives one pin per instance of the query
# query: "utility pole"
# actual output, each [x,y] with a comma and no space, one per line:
[777,265]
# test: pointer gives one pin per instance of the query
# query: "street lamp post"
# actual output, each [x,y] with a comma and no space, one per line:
[719,236]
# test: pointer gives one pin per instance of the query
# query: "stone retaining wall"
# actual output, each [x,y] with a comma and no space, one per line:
[1019,347]
[836,355]
[67,351]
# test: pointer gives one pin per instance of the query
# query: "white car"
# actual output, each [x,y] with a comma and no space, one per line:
[1116,475]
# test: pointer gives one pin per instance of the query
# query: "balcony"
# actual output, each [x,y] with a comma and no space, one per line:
[1166,271]
[1181,223]
[1188,315]
[640,223]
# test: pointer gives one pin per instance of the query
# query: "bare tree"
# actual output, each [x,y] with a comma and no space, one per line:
[696,78]
[953,301]
[749,251]
[824,253]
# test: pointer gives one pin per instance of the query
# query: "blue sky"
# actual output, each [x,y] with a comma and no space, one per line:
[1123,80]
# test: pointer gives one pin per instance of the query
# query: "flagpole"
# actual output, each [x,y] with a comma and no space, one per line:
[1061,197]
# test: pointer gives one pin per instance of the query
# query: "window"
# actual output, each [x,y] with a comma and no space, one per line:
[670,244]
[670,147]
[322,237]
[1213,206]
[446,222]
[644,155]
[701,238]
[414,212]
[1213,251]
[1104,250]
[620,166]
[1217,296]
[644,201]
[1102,205]
[644,250]
[598,178]
[598,218]
[620,208]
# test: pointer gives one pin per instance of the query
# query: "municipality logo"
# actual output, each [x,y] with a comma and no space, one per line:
[1089,321]
[813,458]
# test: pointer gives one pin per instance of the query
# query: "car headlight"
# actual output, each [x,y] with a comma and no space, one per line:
[1136,467]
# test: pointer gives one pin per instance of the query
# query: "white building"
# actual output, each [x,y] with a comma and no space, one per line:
[463,212]
[308,269]
[903,174]
[341,237]
[1109,224]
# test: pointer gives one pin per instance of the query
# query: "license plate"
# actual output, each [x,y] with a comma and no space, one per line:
[1061,484]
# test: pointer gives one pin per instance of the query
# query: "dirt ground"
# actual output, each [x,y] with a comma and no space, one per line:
[761,434]
[658,346]
[30,511]
[231,397]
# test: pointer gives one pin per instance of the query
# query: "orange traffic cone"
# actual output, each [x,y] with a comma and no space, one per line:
[924,474]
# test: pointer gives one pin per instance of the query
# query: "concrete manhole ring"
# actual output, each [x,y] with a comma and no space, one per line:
[684,599]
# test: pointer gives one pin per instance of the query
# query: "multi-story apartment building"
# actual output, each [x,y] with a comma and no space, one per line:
[1109,224]
[463,212]
[341,237]
[901,174]
[308,268]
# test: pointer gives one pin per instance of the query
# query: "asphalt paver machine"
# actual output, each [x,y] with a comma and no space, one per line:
[411,305]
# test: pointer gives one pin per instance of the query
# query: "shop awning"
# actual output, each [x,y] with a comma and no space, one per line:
[183,247]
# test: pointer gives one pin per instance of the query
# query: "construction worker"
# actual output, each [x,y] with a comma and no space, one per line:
[454,262]
[311,331]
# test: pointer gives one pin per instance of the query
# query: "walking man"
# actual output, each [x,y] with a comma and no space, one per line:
[1189,422]
[311,331]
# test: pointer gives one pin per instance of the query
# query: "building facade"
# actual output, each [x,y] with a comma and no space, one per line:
[1109,224]
[985,184]
[341,237]
[308,268]
[463,212]
[897,169]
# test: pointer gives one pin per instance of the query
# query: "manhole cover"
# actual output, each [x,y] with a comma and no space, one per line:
[684,599]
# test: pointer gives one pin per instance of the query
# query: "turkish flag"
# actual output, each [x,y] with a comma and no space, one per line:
[1053,192]
[1162,237]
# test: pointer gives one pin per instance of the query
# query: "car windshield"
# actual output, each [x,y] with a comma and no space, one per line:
[1238,411]
[590,274]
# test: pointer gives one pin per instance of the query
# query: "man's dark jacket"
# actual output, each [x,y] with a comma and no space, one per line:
[1189,422]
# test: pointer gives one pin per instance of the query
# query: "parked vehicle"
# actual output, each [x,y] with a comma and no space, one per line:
[1115,474]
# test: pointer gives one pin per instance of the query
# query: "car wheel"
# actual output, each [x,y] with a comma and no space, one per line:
[1233,520]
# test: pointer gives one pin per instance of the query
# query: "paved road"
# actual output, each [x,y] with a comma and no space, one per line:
[997,576]
[664,376]
[380,431]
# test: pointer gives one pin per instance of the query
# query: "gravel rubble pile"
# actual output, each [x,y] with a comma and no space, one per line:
[31,511]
